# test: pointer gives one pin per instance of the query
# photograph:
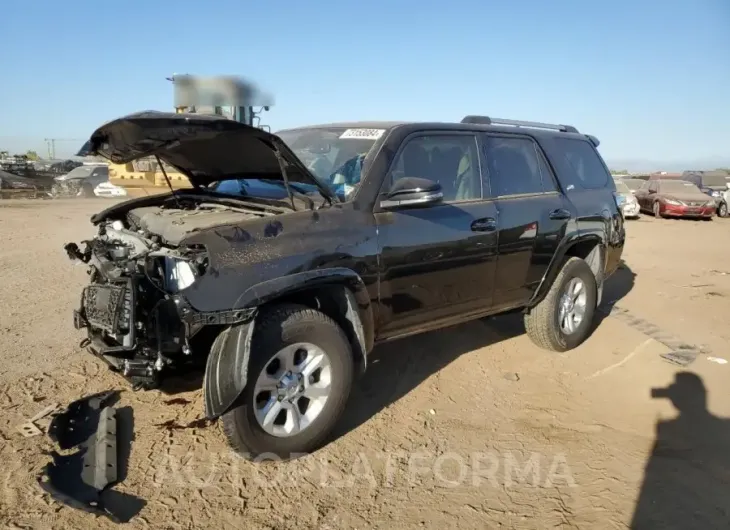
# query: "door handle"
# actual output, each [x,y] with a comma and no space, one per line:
[487,224]
[560,214]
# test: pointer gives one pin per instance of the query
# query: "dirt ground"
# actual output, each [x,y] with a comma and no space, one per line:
[472,426]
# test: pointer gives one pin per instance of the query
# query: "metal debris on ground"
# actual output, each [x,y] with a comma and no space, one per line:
[29,428]
[84,479]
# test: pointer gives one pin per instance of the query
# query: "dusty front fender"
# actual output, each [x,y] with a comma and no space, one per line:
[226,371]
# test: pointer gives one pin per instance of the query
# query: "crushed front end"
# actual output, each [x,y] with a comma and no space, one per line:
[134,316]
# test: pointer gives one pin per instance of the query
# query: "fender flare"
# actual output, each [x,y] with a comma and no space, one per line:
[555,263]
[226,370]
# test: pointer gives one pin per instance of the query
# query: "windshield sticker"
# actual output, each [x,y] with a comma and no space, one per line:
[363,134]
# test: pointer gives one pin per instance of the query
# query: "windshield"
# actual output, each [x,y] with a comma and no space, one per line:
[633,184]
[621,186]
[85,171]
[678,186]
[334,154]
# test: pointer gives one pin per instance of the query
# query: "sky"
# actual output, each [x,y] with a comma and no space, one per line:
[649,78]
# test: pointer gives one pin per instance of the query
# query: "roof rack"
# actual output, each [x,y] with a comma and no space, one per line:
[486,120]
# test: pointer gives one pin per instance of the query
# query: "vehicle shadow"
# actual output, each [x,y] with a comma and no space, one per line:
[615,288]
[396,368]
[687,478]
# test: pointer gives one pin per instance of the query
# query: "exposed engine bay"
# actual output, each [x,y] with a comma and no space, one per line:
[137,267]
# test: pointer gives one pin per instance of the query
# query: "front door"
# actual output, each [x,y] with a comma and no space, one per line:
[437,263]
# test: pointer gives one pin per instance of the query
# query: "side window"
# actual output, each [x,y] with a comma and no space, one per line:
[514,166]
[653,187]
[586,168]
[450,159]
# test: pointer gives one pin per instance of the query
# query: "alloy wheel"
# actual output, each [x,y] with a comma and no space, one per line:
[292,389]
[572,306]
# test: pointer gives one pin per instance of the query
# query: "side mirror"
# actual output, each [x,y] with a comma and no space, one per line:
[412,191]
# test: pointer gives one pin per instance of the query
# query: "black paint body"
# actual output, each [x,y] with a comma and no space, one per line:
[411,269]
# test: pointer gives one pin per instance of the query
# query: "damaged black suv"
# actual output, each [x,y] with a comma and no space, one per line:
[293,254]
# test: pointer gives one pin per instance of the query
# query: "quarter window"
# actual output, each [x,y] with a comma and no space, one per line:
[585,168]
[450,159]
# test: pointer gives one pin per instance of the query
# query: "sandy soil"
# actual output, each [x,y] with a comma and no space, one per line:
[473,426]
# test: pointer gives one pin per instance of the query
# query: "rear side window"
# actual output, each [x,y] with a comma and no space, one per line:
[586,170]
[516,167]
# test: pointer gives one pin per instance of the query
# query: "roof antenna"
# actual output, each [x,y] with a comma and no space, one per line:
[282,166]
[167,179]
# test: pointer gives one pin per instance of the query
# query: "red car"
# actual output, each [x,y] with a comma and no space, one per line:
[674,198]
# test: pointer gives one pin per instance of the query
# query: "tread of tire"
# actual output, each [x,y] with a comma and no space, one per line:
[539,322]
[277,316]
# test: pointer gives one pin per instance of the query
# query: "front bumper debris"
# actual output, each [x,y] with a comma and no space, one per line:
[82,479]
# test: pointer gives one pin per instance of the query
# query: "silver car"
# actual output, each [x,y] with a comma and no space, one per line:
[631,205]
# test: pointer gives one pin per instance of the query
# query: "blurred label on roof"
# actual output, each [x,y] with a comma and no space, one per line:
[217,91]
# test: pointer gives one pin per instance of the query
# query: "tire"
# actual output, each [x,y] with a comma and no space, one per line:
[284,326]
[541,322]
[722,210]
[87,191]
[656,209]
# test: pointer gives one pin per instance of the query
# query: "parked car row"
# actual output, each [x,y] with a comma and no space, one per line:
[691,194]
[88,180]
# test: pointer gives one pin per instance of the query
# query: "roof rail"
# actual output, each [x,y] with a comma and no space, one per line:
[486,120]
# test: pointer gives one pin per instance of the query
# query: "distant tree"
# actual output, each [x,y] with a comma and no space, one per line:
[32,155]
[619,171]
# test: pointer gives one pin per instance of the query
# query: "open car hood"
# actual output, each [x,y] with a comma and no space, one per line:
[204,148]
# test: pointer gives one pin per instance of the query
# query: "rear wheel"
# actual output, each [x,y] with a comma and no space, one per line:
[87,190]
[299,379]
[722,210]
[563,319]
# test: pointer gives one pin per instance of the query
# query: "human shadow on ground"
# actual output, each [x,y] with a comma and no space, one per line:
[396,368]
[687,478]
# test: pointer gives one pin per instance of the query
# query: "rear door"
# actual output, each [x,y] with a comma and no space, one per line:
[437,262]
[589,186]
[533,215]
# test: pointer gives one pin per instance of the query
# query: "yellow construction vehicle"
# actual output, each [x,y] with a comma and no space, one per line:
[144,177]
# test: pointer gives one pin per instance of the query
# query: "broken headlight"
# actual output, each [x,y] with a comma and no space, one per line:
[179,274]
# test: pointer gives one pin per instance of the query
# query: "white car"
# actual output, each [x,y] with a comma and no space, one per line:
[630,205]
[107,189]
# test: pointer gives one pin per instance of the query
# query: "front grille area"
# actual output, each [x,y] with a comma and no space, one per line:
[107,307]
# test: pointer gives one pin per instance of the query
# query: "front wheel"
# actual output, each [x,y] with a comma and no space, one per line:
[563,319]
[722,210]
[299,379]
[657,210]
[87,191]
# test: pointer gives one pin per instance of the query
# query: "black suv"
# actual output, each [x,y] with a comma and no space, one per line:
[292,255]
